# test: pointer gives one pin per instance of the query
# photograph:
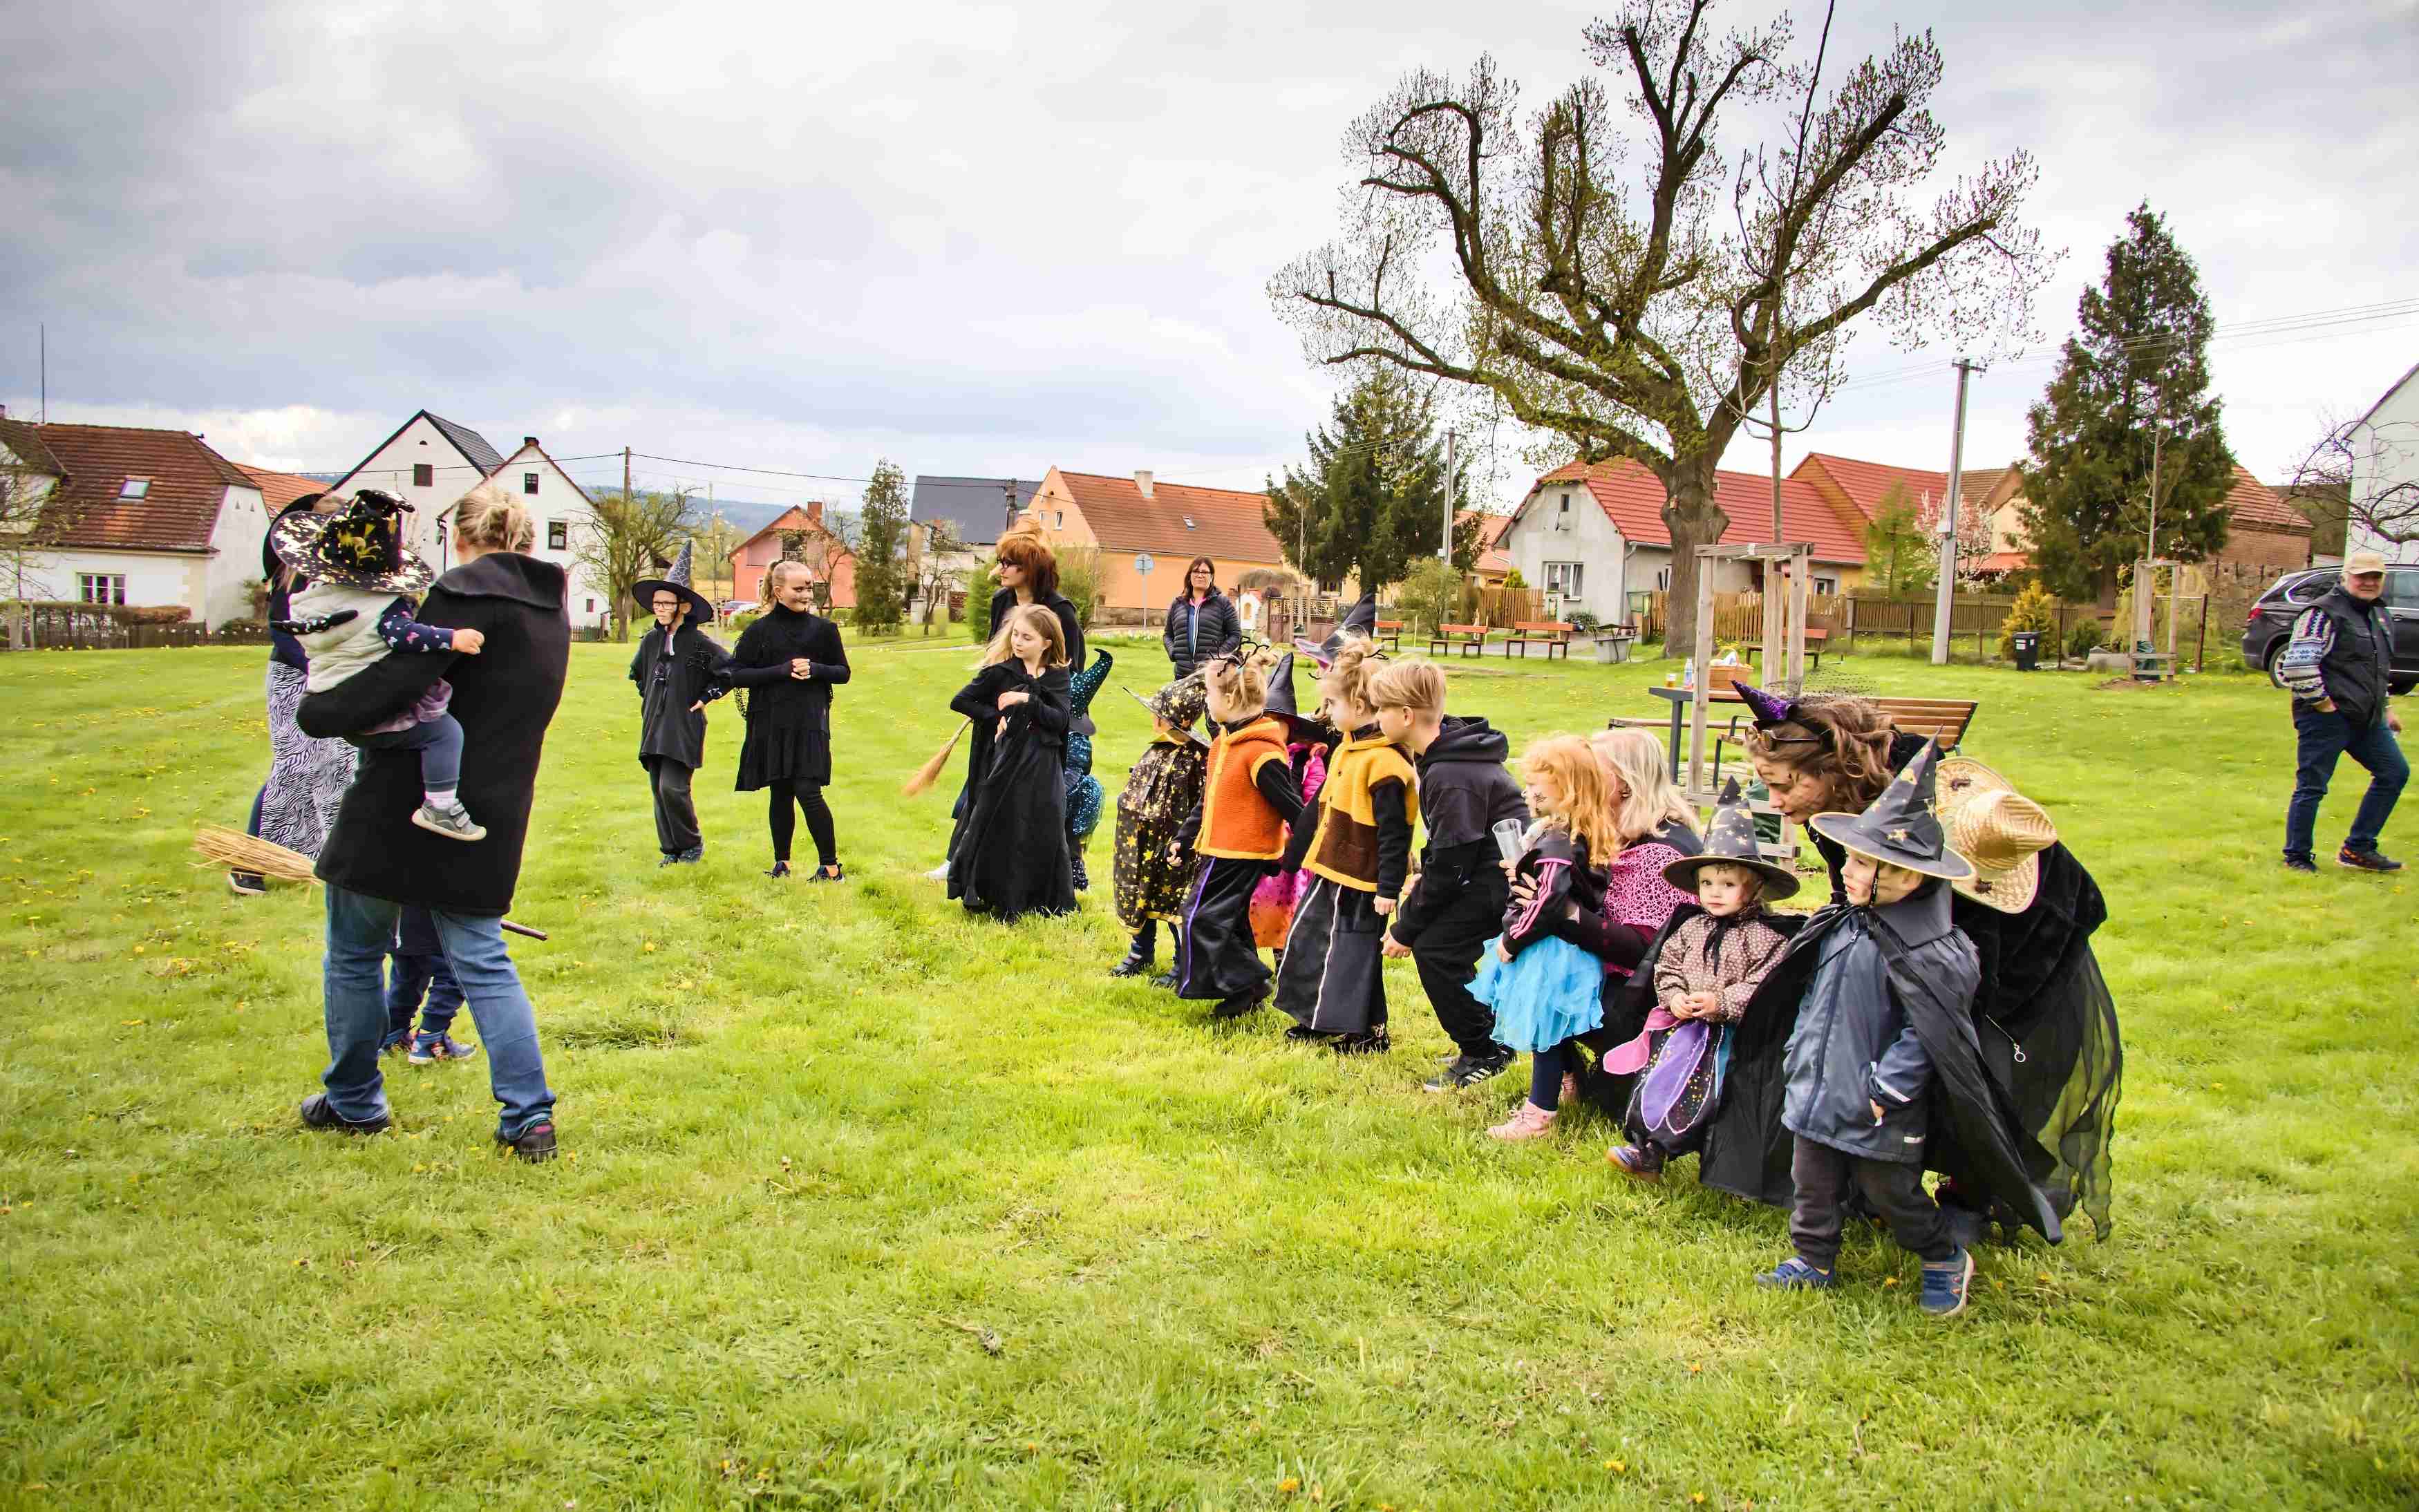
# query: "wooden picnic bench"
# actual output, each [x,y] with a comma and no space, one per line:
[1471,639]
[1554,635]
[1390,633]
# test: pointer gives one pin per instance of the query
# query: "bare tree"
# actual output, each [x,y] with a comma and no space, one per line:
[2365,474]
[936,567]
[1635,320]
[34,522]
[628,536]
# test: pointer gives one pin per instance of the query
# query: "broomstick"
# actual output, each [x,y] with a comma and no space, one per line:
[929,772]
[248,853]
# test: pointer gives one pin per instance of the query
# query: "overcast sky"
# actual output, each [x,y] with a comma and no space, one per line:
[987,238]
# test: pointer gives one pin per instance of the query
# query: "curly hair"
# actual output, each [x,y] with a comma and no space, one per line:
[1242,681]
[1585,810]
[1840,738]
[1348,677]
[1024,548]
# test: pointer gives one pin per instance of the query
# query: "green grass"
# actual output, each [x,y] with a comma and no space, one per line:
[866,1203]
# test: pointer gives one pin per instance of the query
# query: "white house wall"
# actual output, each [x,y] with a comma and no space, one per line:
[2386,452]
[1591,540]
[388,468]
[558,500]
[153,578]
[227,579]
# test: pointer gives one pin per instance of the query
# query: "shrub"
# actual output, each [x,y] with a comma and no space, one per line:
[739,623]
[1079,579]
[2034,609]
[979,591]
[1583,622]
[2083,639]
[1430,596]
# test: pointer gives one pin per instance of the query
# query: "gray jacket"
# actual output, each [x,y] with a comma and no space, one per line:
[1854,1045]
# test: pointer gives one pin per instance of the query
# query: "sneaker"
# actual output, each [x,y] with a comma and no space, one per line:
[780,870]
[317,1114]
[535,1143]
[1945,1283]
[2365,860]
[453,822]
[1467,1071]
[2301,861]
[1164,981]
[247,884]
[832,873]
[1135,965]
[401,1042]
[426,1049]
[1529,1121]
[1645,1162]
[1373,1042]
[1794,1275]
[692,857]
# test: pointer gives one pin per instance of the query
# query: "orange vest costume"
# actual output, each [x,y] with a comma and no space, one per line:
[1236,821]
[1343,849]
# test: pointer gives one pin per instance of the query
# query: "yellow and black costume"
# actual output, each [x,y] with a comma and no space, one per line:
[1359,851]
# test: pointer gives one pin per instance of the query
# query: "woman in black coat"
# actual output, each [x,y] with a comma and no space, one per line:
[789,662]
[1202,625]
[375,859]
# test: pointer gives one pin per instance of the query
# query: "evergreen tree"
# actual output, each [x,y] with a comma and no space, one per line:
[1371,503]
[2134,380]
[1899,558]
[881,550]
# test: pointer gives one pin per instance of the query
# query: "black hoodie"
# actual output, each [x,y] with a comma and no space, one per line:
[1464,790]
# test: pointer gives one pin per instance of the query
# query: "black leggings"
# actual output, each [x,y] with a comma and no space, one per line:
[809,796]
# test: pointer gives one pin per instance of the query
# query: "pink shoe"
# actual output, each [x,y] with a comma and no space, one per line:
[1530,1123]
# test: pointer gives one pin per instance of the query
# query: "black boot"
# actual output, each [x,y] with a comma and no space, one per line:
[1082,879]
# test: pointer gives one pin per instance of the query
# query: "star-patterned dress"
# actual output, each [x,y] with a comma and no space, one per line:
[1161,792]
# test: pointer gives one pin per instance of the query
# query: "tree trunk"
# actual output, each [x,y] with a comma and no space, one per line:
[1694,520]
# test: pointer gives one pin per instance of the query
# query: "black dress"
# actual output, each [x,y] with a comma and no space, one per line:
[789,722]
[1009,856]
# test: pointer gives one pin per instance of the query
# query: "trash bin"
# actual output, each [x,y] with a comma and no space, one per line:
[2028,650]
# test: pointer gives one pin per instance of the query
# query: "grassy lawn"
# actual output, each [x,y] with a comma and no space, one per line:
[870,1204]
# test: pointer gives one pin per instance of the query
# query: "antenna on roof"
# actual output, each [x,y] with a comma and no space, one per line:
[46,373]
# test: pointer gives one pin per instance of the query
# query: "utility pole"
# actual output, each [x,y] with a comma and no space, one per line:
[46,378]
[1444,552]
[1008,517]
[2158,437]
[1945,611]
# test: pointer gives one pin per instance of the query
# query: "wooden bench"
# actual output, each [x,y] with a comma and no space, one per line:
[1471,639]
[1390,634]
[1942,719]
[1554,635]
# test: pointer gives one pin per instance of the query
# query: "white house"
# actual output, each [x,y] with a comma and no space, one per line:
[139,517]
[2384,446]
[566,516]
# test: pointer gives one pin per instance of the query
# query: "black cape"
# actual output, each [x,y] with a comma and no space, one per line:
[1009,856]
[668,684]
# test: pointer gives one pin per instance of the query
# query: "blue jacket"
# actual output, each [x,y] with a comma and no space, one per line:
[1854,1045]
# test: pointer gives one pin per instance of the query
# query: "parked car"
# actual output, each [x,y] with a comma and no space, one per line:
[732,607]
[2271,621]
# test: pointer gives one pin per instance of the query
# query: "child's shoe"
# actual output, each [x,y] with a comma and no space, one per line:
[1082,879]
[1794,1275]
[1166,980]
[1642,1161]
[1135,965]
[1570,1086]
[453,822]
[426,1049]
[1530,1123]
[1375,1042]
[780,870]
[1945,1284]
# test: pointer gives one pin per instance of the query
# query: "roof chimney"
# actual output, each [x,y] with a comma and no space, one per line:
[1142,481]
[529,441]
[815,512]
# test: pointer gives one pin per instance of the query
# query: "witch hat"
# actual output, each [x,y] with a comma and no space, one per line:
[676,581]
[1729,841]
[1281,705]
[1765,709]
[360,546]
[1900,829]
[1361,619]
[1180,702]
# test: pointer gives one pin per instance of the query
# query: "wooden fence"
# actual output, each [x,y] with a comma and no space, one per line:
[55,629]
[1975,620]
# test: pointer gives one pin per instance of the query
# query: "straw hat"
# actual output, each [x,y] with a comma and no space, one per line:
[1997,828]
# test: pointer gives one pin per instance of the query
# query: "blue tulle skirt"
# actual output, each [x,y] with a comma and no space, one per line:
[1551,992]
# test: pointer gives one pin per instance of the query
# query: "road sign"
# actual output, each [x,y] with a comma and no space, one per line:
[1143,562]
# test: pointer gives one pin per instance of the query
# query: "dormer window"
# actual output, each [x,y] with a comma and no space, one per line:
[133,487]
[1188,522]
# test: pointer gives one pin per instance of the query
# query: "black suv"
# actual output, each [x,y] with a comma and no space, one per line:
[2270,623]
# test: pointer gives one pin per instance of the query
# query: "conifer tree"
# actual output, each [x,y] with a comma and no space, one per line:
[881,550]
[1371,502]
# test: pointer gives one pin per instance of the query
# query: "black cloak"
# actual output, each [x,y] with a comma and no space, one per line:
[1011,854]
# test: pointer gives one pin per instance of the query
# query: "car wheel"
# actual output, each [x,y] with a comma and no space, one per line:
[2276,655]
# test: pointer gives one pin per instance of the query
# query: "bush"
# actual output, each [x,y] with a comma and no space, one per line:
[1430,596]
[1583,622]
[1079,579]
[2034,609]
[2083,639]
[739,623]
[979,591]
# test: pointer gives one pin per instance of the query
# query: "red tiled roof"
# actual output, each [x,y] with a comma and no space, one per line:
[279,489]
[1226,523]
[23,440]
[2004,562]
[2254,505]
[1632,498]
[1863,484]
[189,483]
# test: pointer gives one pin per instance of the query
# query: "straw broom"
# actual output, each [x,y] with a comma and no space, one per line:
[931,771]
[238,852]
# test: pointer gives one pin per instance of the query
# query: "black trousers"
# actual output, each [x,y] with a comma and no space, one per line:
[809,796]
[675,811]
[1446,954]
[1216,958]
[1822,1177]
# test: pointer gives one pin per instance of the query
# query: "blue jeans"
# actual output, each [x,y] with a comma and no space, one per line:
[360,932]
[439,742]
[2323,738]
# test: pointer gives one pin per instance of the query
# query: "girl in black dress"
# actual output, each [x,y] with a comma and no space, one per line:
[788,661]
[1009,856]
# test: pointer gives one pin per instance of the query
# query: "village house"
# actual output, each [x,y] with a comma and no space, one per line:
[1593,536]
[1491,567]
[1129,518]
[818,547]
[976,509]
[2384,446]
[138,517]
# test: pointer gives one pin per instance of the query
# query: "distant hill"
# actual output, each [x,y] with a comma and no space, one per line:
[745,516]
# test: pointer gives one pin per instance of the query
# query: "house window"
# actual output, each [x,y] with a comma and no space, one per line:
[1827,586]
[100,587]
[1562,577]
[423,475]
[558,533]
[1057,519]
[591,605]
[134,488]
[529,482]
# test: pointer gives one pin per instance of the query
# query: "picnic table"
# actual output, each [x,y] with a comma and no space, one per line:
[1679,697]
[1554,635]
[1471,639]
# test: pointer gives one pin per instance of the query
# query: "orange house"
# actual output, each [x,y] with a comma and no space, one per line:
[821,551]
[1128,517]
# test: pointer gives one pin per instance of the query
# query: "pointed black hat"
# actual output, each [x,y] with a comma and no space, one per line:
[1281,705]
[1731,840]
[1898,829]
[676,582]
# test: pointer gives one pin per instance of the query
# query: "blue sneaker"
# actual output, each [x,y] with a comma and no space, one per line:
[1945,1284]
[1794,1275]
[427,1048]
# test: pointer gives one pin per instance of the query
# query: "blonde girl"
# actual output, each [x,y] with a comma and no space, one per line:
[1011,854]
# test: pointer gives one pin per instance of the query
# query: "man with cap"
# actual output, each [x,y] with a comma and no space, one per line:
[679,671]
[2338,666]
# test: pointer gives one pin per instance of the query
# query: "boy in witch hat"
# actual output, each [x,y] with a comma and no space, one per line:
[1884,1057]
[679,670]
[363,587]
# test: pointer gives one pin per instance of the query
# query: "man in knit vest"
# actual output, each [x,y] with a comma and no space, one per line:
[2339,666]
